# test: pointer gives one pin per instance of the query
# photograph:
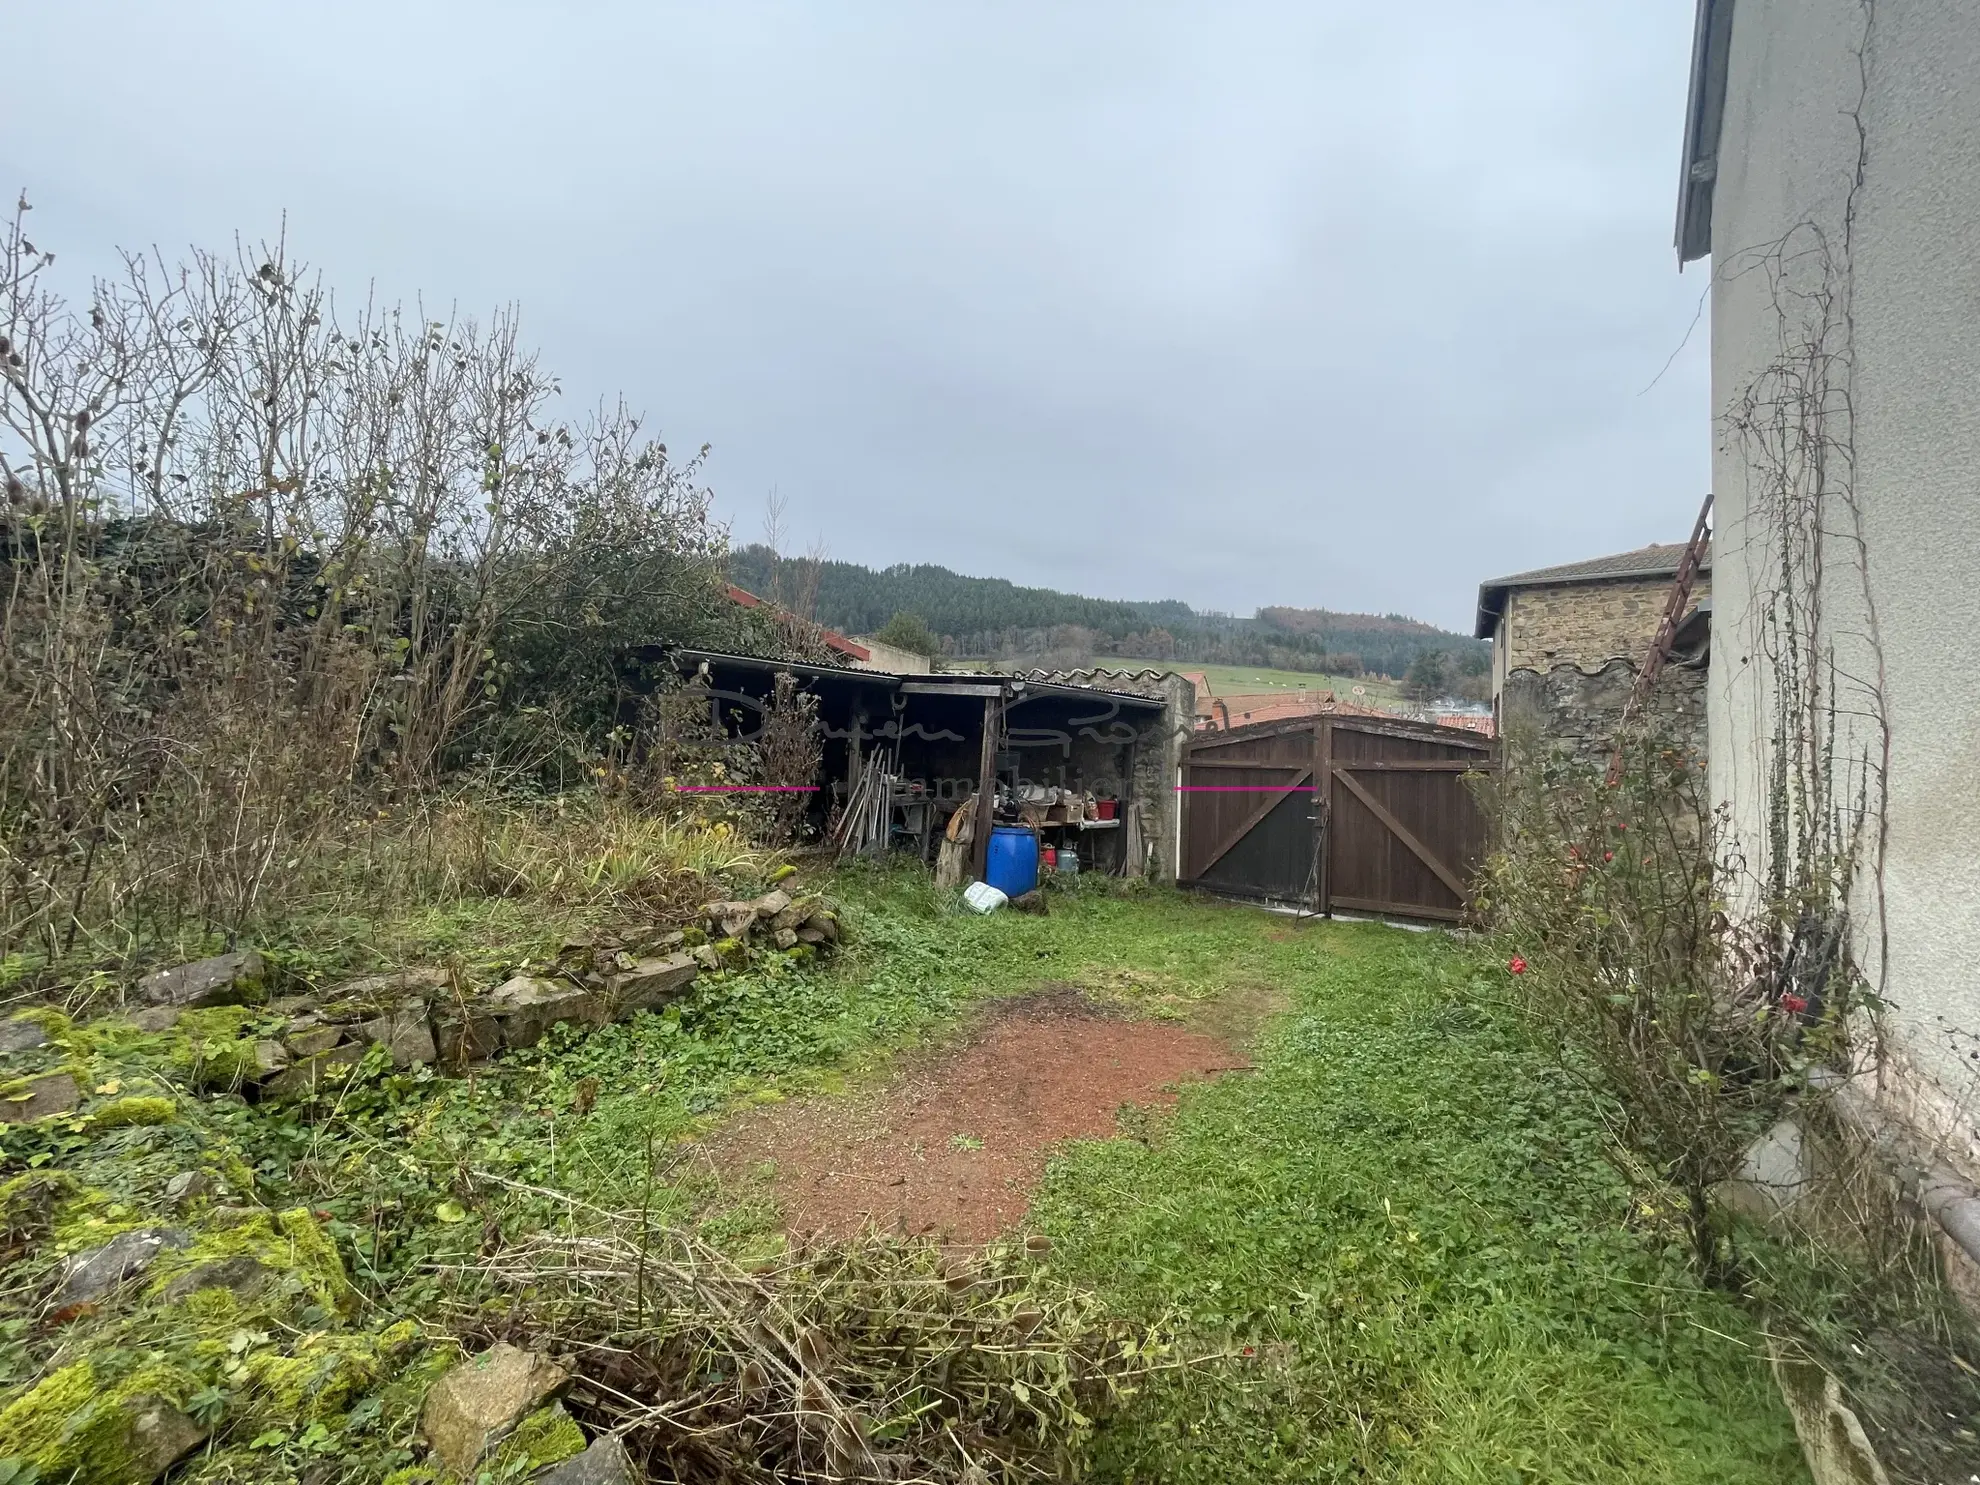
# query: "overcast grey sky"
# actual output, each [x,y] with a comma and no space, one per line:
[1298,302]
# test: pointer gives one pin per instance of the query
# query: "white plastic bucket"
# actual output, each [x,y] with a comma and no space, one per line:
[983,898]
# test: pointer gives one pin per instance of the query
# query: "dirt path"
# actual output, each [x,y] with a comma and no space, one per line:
[953,1144]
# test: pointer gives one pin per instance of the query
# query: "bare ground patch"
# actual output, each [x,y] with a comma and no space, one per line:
[953,1143]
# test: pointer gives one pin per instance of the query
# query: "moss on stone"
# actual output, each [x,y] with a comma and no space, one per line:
[315,1254]
[290,1244]
[233,1170]
[56,1023]
[216,1022]
[547,1436]
[325,1372]
[214,1046]
[53,1427]
[398,1335]
[86,1216]
[74,1424]
[212,1308]
[121,1113]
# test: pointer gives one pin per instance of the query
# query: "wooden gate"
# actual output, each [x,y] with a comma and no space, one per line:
[1364,814]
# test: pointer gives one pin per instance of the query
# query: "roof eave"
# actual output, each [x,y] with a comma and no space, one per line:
[1704,117]
[1492,595]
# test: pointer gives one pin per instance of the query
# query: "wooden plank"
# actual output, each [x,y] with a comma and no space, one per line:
[1430,732]
[1411,765]
[1399,909]
[986,790]
[1249,733]
[1402,833]
[1253,820]
[1240,763]
[1323,824]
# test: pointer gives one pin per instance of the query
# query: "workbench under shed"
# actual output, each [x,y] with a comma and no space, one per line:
[1015,745]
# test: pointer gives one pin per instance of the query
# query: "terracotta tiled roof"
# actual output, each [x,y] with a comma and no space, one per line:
[834,641]
[1215,713]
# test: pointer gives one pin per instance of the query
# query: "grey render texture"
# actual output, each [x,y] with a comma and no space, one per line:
[1832,172]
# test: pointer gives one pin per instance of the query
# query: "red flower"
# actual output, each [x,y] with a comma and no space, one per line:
[1608,855]
[1795,1003]
[1517,965]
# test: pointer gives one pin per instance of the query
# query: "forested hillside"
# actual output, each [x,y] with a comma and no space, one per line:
[995,618]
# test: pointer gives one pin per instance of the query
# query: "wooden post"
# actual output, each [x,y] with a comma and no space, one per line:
[1323,816]
[854,761]
[986,790]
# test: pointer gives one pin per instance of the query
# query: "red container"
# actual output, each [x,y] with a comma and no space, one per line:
[1048,857]
[1104,808]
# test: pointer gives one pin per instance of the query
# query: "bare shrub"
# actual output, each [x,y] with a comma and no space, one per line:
[268,568]
[1609,902]
[790,753]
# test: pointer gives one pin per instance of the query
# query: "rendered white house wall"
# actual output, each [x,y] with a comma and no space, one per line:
[1833,172]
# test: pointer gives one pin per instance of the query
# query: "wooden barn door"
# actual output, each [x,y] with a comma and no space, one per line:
[1405,832]
[1248,813]
[1355,813]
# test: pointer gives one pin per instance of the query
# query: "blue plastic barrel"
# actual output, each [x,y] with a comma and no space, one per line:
[1012,864]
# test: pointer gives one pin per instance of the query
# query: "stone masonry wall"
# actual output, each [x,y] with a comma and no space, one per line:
[1587,624]
[1566,710]
[1157,756]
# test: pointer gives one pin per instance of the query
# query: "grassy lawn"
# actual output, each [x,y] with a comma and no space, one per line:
[1408,1217]
[1404,1212]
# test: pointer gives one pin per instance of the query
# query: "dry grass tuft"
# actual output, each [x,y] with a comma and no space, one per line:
[872,1359]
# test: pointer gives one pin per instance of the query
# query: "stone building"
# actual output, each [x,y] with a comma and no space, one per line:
[1567,643]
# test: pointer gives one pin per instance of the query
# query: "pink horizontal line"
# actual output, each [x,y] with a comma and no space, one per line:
[749,788]
[1239,788]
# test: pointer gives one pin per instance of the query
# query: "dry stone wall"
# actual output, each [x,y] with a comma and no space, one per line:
[426,1015]
[1574,713]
